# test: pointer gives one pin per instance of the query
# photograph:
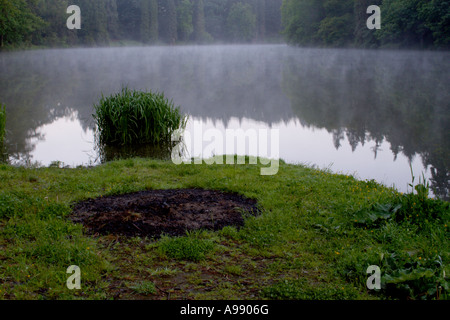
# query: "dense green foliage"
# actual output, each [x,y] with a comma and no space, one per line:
[43,22]
[17,20]
[423,277]
[135,117]
[241,22]
[404,23]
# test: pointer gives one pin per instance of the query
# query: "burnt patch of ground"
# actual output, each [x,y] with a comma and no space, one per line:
[154,212]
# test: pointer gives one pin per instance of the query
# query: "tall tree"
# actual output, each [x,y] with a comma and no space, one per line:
[436,17]
[167,20]
[199,21]
[402,25]
[10,28]
[273,18]
[100,21]
[153,20]
[145,21]
[301,20]
[184,17]
[336,29]
[53,12]
[148,21]
[363,36]
[112,18]
[172,27]
[129,19]
[261,18]
[216,12]
[241,23]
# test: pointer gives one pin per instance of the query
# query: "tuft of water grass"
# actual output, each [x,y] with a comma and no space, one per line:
[136,117]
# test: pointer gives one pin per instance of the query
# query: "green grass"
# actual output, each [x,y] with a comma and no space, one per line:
[136,117]
[144,287]
[300,289]
[192,247]
[314,239]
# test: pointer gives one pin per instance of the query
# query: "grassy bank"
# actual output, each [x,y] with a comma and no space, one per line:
[316,235]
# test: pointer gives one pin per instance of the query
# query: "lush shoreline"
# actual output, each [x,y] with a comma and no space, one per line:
[306,243]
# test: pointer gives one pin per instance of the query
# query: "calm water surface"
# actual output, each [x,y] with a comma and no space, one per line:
[362,112]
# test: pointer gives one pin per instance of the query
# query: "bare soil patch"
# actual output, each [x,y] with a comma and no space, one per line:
[155,212]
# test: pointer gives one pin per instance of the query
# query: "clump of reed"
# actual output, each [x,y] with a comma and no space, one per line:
[133,117]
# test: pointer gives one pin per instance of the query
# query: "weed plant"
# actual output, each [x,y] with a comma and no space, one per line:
[411,220]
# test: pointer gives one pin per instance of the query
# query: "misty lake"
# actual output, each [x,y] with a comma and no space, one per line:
[364,112]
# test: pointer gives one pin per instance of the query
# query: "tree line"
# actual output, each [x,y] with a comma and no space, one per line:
[43,22]
[333,23]
[404,23]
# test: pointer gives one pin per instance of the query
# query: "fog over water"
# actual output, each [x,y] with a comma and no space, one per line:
[371,113]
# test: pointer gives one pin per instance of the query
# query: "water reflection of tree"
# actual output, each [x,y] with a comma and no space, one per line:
[400,97]
[33,98]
